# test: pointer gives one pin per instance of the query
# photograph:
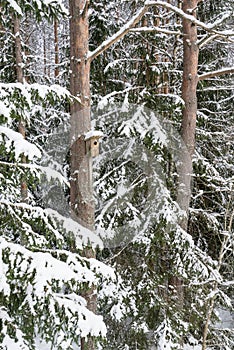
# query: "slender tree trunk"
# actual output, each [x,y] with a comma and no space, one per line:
[82,204]
[56,49]
[189,87]
[20,79]
[18,50]
[44,55]
[189,95]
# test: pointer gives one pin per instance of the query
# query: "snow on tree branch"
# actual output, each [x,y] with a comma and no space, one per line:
[191,18]
[154,29]
[207,39]
[21,146]
[40,5]
[216,73]
[120,34]
[135,19]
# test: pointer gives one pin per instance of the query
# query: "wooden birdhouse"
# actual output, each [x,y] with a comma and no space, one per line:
[92,142]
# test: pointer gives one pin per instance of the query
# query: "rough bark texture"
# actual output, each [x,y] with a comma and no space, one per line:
[189,95]
[82,204]
[18,50]
[81,166]
[20,79]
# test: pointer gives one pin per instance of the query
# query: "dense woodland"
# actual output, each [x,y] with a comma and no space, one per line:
[132,249]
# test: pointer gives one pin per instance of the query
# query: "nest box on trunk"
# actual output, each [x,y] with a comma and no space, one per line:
[92,142]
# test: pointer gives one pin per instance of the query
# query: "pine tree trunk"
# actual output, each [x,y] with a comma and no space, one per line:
[82,204]
[44,55]
[56,49]
[189,95]
[20,79]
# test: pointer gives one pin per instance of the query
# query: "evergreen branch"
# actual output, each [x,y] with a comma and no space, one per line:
[216,73]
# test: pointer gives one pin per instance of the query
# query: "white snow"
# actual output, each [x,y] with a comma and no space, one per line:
[50,174]
[21,146]
[46,270]
[15,6]
[82,234]
[43,90]
[3,282]
[93,133]
[4,110]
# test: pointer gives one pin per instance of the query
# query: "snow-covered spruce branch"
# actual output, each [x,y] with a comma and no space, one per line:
[216,73]
[83,236]
[48,171]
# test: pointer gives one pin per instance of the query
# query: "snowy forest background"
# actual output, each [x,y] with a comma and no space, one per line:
[156,283]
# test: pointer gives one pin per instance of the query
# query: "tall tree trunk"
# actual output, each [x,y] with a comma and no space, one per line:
[82,204]
[20,79]
[56,49]
[44,54]
[189,95]
[18,50]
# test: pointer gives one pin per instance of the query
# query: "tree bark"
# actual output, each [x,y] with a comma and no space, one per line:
[44,55]
[20,79]
[81,192]
[189,95]
[56,49]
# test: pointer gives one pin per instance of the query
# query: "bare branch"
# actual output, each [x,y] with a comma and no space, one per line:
[115,93]
[205,40]
[154,29]
[216,73]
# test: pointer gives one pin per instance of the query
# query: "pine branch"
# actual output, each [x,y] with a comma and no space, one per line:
[216,73]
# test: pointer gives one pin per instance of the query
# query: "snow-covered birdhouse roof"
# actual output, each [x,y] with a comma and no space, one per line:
[97,134]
